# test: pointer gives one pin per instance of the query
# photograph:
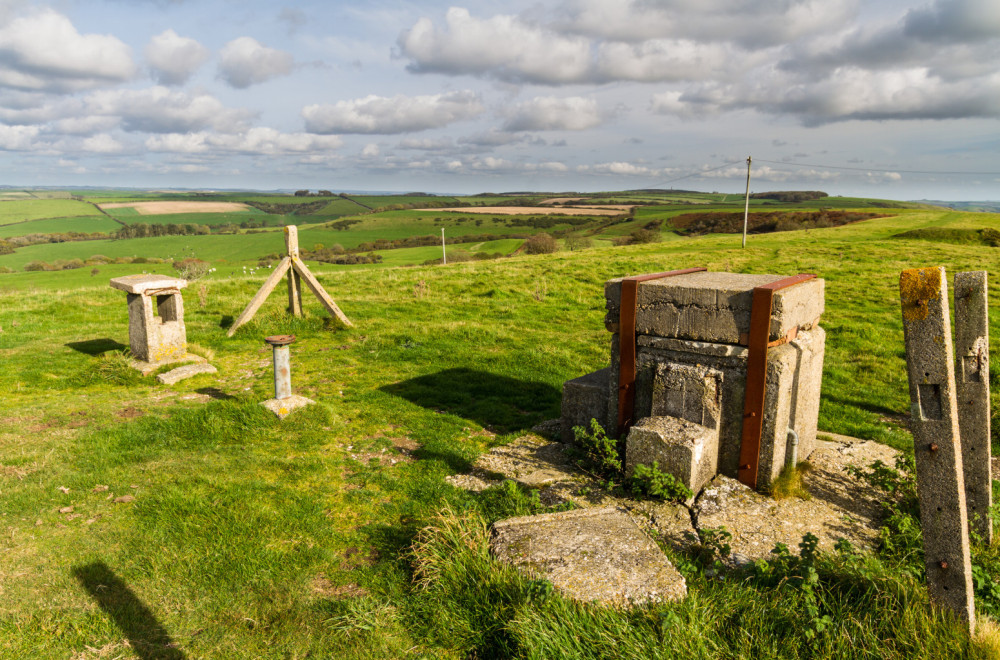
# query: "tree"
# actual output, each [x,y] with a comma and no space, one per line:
[540,243]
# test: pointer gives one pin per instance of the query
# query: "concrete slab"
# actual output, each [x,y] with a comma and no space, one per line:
[590,555]
[714,306]
[284,407]
[187,371]
[147,283]
[146,367]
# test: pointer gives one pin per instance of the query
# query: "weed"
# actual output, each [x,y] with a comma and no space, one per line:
[649,482]
[789,482]
[600,453]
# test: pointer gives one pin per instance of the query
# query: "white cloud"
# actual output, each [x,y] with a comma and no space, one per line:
[371,150]
[503,47]
[161,110]
[259,140]
[174,58]
[102,144]
[398,114]
[619,168]
[549,113]
[17,138]
[245,62]
[44,51]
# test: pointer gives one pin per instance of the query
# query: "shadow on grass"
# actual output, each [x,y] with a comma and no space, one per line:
[148,638]
[215,393]
[96,346]
[499,403]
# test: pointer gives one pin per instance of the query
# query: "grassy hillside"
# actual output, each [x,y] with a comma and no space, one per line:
[250,537]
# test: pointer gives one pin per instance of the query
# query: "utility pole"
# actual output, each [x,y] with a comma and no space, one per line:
[746,208]
[444,257]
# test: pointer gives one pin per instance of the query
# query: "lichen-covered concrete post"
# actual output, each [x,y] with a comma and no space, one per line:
[972,350]
[284,402]
[934,423]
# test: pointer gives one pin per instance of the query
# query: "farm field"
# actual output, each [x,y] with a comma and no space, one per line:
[86,224]
[14,211]
[333,533]
[175,207]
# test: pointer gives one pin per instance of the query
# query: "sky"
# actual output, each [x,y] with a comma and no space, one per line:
[898,99]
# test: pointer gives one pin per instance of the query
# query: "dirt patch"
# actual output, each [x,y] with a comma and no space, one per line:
[322,587]
[534,210]
[166,208]
[14,471]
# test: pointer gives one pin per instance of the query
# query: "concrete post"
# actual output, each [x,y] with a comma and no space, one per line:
[284,402]
[934,423]
[972,350]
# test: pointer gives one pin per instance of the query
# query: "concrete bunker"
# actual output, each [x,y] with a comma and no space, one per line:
[711,373]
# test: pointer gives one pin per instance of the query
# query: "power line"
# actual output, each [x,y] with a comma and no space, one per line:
[874,169]
[700,172]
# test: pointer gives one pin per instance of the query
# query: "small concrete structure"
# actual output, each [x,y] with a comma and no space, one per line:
[972,381]
[157,335]
[590,554]
[936,440]
[692,364]
[284,402]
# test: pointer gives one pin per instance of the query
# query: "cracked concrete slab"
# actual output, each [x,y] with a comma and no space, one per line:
[840,506]
[590,554]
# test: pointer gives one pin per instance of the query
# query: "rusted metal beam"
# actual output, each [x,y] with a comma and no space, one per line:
[626,338]
[756,383]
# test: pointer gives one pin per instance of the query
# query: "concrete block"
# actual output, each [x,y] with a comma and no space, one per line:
[583,399]
[187,371]
[590,554]
[690,392]
[687,450]
[972,381]
[284,407]
[934,424]
[714,307]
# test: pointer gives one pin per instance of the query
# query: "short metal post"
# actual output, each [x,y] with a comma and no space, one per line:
[282,365]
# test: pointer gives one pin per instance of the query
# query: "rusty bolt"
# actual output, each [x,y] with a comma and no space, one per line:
[943,564]
[933,446]
[745,467]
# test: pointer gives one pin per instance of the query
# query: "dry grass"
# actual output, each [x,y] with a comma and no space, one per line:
[986,639]
[167,208]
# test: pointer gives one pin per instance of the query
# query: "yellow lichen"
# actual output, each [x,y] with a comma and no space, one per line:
[917,286]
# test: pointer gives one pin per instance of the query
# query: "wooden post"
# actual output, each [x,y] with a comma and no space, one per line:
[293,265]
[294,284]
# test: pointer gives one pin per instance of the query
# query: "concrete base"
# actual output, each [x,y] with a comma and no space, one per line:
[583,399]
[145,368]
[284,407]
[187,371]
[590,554]
[688,451]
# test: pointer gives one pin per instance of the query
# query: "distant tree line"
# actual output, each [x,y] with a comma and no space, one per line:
[696,224]
[790,195]
[143,230]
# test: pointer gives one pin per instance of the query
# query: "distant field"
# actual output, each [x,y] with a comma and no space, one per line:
[339,207]
[383,201]
[36,209]
[534,210]
[167,208]
[210,219]
[99,223]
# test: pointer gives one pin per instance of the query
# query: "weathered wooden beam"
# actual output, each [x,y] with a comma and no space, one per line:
[319,292]
[262,295]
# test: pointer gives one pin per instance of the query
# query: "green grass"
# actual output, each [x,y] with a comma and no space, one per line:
[12,211]
[250,537]
[86,224]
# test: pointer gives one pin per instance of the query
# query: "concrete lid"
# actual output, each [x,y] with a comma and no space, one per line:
[715,306]
[147,282]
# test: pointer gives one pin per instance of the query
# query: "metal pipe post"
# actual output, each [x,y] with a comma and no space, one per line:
[282,365]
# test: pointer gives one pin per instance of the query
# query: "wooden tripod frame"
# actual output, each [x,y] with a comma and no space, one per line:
[297,271]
